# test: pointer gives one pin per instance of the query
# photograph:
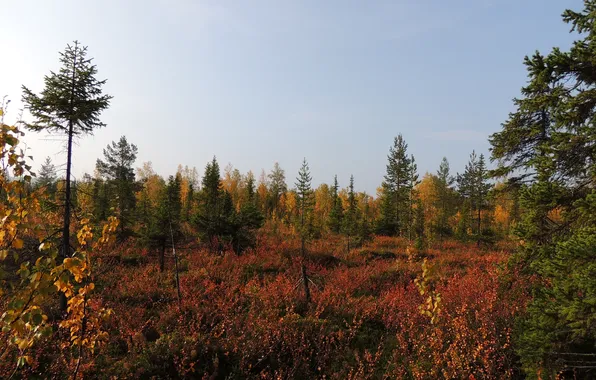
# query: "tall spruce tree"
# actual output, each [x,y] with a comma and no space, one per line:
[351,219]
[473,187]
[117,170]
[396,190]
[70,104]
[305,202]
[444,198]
[165,222]
[547,144]
[336,213]
[277,187]
[482,188]
[244,223]
[209,215]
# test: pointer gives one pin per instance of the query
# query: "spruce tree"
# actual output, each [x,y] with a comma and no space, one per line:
[444,199]
[117,170]
[336,213]
[247,221]
[547,145]
[210,209]
[166,228]
[474,188]
[47,176]
[351,218]
[70,104]
[396,190]
[277,187]
[413,182]
[482,188]
[305,202]
[365,228]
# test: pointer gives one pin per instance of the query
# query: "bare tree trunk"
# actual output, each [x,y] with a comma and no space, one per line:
[67,195]
[176,265]
[478,239]
[304,274]
[162,257]
[66,225]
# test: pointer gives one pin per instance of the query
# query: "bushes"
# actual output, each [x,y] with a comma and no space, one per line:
[243,317]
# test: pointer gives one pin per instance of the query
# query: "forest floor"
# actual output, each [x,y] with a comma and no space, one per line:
[375,313]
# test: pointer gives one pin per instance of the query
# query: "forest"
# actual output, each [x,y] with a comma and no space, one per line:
[217,274]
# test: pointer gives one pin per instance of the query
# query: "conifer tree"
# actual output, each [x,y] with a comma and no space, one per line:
[70,104]
[413,182]
[547,144]
[101,200]
[188,205]
[247,221]
[473,187]
[117,169]
[304,193]
[277,187]
[351,218]
[396,190]
[165,225]
[47,176]
[336,213]
[482,188]
[365,228]
[210,210]
[444,199]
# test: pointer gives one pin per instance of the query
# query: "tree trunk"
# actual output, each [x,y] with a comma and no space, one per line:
[67,195]
[478,239]
[162,258]
[66,225]
[304,274]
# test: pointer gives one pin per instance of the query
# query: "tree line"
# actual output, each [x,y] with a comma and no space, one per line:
[542,191]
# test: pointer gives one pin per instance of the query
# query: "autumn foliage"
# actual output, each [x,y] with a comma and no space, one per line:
[244,317]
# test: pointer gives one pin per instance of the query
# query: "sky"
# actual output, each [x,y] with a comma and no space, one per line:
[258,81]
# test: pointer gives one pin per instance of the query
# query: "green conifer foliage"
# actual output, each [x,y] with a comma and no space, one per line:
[70,104]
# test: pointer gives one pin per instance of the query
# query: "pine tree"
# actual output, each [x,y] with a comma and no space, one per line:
[117,169]
[396,186]
[336,214]
[70,104]
[304,193]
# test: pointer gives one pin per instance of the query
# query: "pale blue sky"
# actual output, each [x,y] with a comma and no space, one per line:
[255,82]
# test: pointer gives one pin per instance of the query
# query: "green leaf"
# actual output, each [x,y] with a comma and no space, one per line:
[37,319]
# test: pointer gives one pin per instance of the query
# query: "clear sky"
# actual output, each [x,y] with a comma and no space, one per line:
[254,82]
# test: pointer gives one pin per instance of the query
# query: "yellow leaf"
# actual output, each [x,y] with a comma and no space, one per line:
[17,243]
